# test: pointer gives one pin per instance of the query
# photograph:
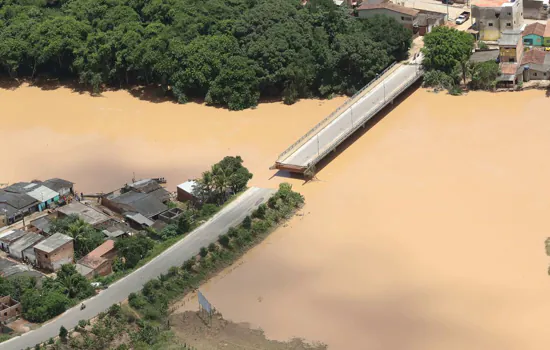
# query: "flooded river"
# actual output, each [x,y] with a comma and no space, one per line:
[426,233]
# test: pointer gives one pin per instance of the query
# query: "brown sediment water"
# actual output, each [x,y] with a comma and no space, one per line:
[100,142]
[425,233]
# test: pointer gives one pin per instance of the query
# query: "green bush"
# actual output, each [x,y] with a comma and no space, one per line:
[82,323]
[203,252]
[63,332]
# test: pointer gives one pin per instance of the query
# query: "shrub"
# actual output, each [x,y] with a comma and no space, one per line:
[212,247]
[438,80]
[82,323]
[224,240]
[50,341]
[203,252]
[260,212]
[63,332]
[247,222]
[208,210]
[482,45]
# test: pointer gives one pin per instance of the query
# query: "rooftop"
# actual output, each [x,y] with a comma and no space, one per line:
[9,269]
[53,242]
[144,186]
[535,28]
[509,38]
[489,3]
[28,240]
[21,187]
[42,193]
[43,224]
[83,270]
[86,213]
[92,262]
[16,200]
[12,236]
[146,204]
[508,68]
[484,56]
[57,184]
[103,249]
[533,56]
[140,219]
[188,186]
[389,6]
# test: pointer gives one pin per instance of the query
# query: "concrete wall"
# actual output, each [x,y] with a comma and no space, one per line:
[184,195]
[30,256]
[533,74]
[9,309]
[54,260]
[491,21]
[532,40]
[406,20]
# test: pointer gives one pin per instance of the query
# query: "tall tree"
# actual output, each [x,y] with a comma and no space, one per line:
[446,48]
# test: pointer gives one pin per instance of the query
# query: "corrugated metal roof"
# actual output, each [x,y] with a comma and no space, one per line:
[43,194]
[53,242]
[188,186]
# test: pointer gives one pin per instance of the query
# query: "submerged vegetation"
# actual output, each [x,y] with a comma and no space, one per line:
[228,53]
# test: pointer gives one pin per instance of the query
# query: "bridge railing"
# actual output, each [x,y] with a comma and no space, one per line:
[350,131]
[340,108]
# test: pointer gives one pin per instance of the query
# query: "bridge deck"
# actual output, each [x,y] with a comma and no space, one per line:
[322,139]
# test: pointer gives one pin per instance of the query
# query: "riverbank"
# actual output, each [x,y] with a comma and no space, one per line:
[152,302]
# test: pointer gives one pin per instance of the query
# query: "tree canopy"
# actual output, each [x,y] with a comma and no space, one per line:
[229,53]
[446,49]
[86,237]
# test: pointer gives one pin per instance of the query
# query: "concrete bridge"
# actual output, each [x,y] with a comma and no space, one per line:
[304,154]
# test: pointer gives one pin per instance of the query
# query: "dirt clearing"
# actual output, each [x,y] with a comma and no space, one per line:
[222,334]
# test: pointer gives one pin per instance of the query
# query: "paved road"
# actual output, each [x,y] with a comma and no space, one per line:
[350,118]
[207,233]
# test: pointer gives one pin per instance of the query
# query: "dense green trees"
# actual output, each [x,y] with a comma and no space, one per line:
[225,178]
[133,249]
[228,53]
[86,238]
[51,297]
[484,75]
[448,50]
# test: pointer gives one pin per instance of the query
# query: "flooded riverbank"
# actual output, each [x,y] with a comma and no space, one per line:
[426,233]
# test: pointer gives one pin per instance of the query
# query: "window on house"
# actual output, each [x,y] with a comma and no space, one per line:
[512,60]
[509,13]
[46,255]
[402,18]
[534,74]
[508,24]
[544,73]
[5,314]
[490,24]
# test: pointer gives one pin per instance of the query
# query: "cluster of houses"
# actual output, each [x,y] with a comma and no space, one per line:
[118,214]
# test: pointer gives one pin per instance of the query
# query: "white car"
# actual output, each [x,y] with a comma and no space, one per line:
[460,19]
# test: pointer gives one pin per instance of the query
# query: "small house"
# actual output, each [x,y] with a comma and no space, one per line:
[99,262]
[87,213]
[10,309]
[536,65]
[10,237]
[63,187]
[533,34]
[10,269]
[185,191]
[55,251]
[510,47]
[30,239]
[405,15]
[43,195]
[41,225]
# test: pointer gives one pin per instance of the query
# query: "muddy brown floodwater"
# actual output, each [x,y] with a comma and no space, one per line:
[425,233]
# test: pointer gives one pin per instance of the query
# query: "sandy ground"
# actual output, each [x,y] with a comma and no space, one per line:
[217,333]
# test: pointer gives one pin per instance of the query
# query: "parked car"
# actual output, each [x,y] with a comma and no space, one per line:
[463,17]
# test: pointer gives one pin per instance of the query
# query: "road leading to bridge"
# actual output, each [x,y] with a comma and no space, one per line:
[176,255]
[319,141]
